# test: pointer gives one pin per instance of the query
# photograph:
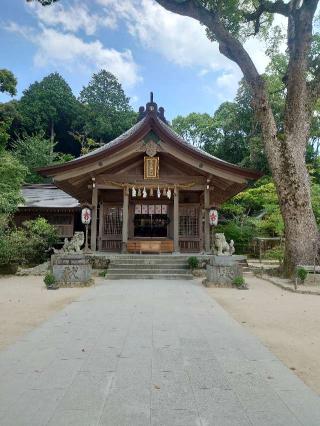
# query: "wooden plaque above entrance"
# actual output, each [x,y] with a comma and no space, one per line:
[151,167]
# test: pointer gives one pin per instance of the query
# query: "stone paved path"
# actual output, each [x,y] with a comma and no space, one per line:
[148,353]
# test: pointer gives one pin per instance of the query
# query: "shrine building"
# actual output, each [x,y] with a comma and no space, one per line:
[149,190]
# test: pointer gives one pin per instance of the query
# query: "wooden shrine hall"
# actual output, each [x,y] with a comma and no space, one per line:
[149,189]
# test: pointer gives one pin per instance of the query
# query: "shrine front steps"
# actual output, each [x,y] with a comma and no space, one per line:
[149,267]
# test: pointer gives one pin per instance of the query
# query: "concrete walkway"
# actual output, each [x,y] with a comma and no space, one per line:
[148,353]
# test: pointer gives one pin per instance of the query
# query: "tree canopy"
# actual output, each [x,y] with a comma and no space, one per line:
[45,103]
[106,107]
[8,82]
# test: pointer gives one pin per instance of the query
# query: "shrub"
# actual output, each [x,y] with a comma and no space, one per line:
[275,253]
[241,234]
[193,262]
[50,280]
[239,282]
[302,274]
[102,274]
[29,244]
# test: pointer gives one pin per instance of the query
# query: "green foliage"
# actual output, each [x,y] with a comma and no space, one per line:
[275,253]
[302,274]
[9,116]
[197,129]
[49,280]
[8,82]
[251,213]
[12,174]
[193,262]
[241,233]
[102,274]
[29,244]
[105,108]
[87,144]
[34,152]
[47,102]
[239,282]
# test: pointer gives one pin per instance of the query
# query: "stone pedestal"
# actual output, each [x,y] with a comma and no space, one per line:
[71,269]
[221,271]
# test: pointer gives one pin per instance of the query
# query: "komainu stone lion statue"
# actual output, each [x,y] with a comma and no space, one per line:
[73,245]
[220,245]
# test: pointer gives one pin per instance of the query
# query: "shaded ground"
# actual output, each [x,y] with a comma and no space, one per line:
[25,303]
[148,352]
[287,323]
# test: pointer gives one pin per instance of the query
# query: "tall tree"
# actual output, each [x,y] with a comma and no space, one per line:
[46,103]
[107,112]
[196,128]
[34,152]
[229,23]
[8,82]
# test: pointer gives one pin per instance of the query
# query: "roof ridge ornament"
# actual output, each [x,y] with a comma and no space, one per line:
[151,108]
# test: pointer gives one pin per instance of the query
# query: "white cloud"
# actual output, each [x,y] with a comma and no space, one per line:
[72,19]
[180,39]
[183,41]
[71,52]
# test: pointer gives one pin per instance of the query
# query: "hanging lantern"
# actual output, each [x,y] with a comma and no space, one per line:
[164,192]
[134,192]
[144,193]
[169,193]
[213,217]
[158,193]
[151,192]
[139,192]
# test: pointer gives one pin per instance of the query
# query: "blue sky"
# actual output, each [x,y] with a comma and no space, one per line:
[146,47]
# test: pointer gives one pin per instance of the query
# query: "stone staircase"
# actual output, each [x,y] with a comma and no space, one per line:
[168,267]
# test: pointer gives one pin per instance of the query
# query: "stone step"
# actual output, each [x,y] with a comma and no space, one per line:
[149,260]
[163,276]
[126,266]
[136,256]
[147,271]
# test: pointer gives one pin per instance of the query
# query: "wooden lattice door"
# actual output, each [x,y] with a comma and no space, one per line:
[189,228]
[110,228]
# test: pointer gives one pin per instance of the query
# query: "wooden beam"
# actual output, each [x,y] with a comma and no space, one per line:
[94,219]
[125,217]
[176,220]
[206,220]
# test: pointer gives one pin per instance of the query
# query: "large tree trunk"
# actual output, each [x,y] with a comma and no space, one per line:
[285,151]
[293,187]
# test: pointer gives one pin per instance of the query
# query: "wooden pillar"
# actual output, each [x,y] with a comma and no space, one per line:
[207,247]
[94,219]
[100,226]
[125,216]
[176,246]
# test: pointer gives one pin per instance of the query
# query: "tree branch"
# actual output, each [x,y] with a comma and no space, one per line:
[297,111]
[266,6]
[230,47]
[228,44]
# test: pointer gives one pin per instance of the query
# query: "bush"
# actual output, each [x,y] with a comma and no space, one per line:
[275,253]
[302,274]
[241,234]
[50,280]
[28,245]
[239,282]
[193,262]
